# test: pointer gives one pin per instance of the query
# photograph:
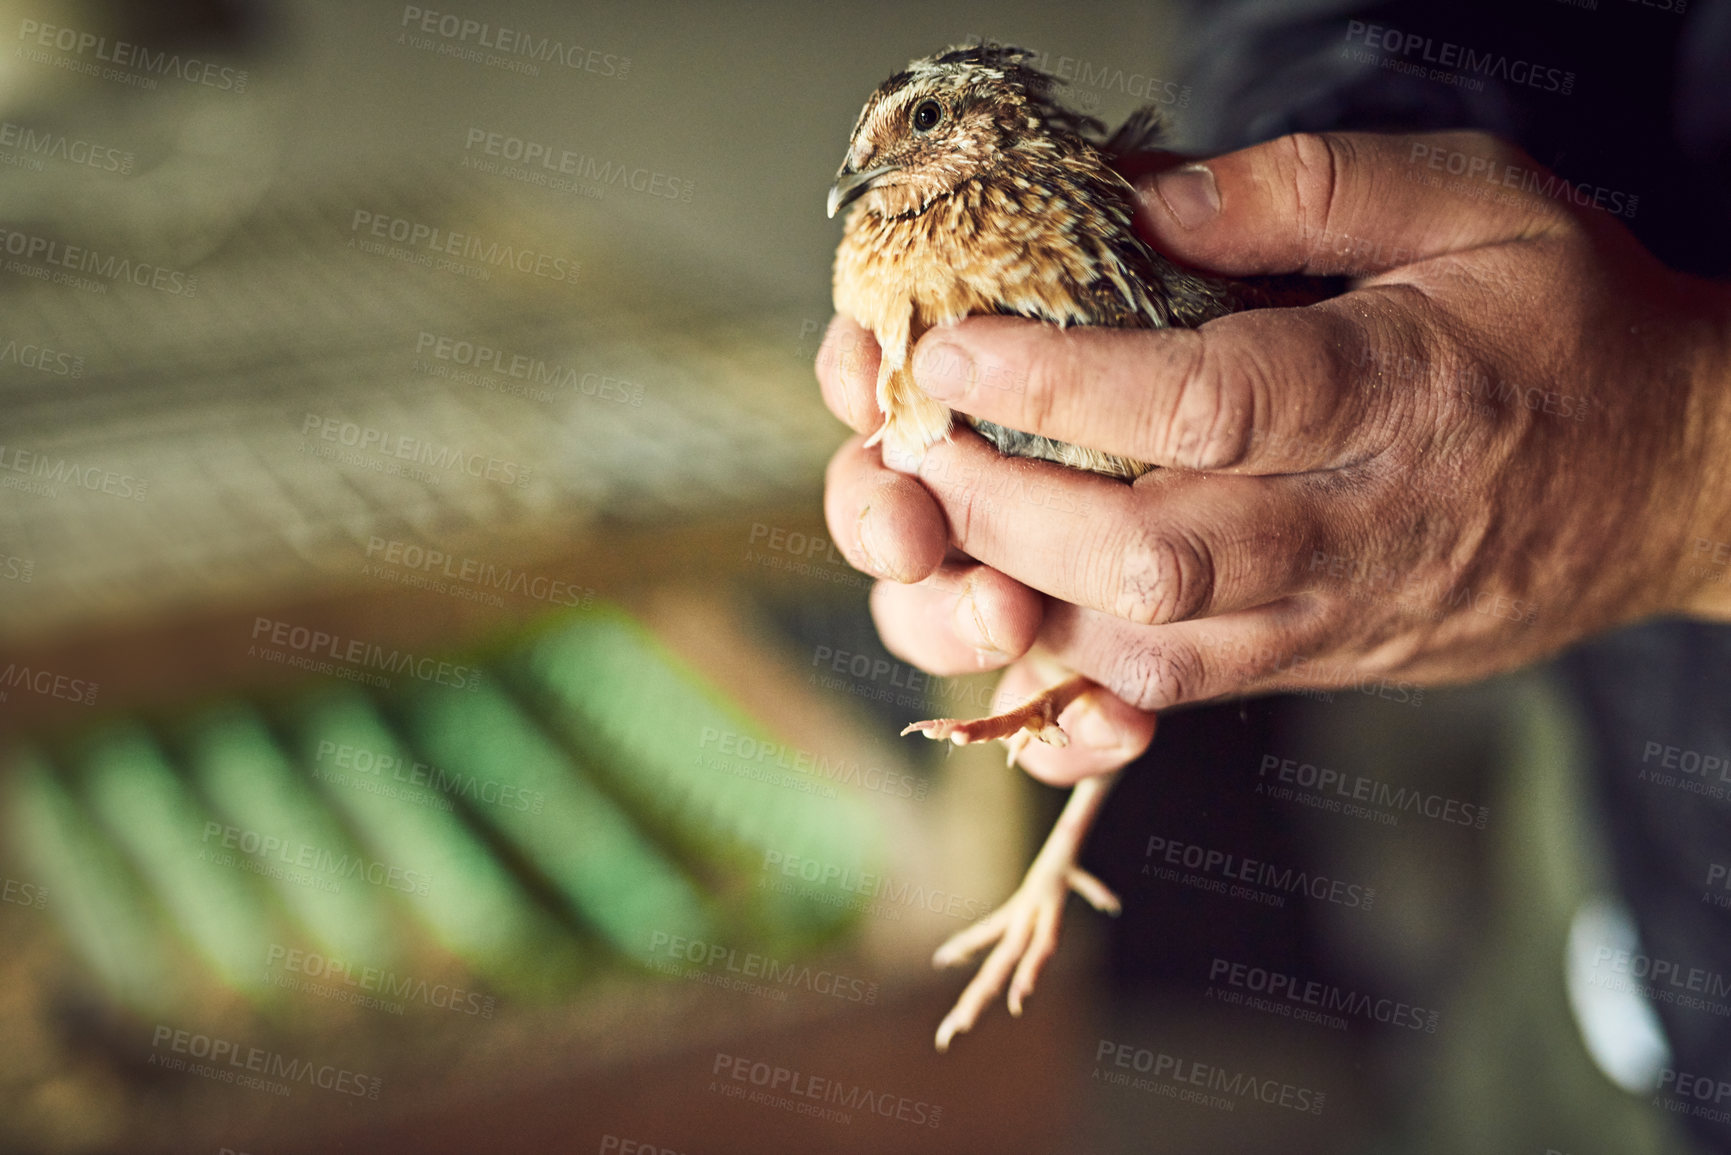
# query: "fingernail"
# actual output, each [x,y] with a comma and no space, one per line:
[868,544]
[943,370]
[1094,730]
[971,627]
[1189,194]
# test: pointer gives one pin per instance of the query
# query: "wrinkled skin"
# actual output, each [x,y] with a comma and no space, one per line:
[1513,431]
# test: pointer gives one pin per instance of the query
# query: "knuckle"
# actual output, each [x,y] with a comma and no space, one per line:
[1155,678]
[1051,374]
[1316,162]
[1217,407]
[1382,366]
[1163,577]
[964,505]
[1211,421]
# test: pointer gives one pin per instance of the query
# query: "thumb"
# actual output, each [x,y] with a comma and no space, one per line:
[1332,204]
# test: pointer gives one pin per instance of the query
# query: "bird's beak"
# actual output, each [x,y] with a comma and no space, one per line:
[850,185]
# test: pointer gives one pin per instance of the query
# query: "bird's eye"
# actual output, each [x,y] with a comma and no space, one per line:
[926,115]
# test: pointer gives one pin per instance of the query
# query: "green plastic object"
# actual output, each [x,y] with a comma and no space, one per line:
[405,809]
[179,850]
[589,791]
[99,901]
[688,759]
[341,894]
[618,883]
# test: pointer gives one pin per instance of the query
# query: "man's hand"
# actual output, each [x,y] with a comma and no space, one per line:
[1513,432]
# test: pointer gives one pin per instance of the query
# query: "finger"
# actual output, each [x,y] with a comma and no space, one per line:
[962,619]
[1264,391]
[885,523]
[1175,545]
[1342,203]
[1041,946]
[847,372]
[1105,732]
[1153,668]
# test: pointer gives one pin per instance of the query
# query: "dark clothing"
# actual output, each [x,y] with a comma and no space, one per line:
[1646,111]
[1631,101]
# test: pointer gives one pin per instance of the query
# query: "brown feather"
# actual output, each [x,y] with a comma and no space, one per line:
[1006,206]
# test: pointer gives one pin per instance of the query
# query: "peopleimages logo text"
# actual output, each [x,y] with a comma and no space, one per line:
[1447,54]
[125,54]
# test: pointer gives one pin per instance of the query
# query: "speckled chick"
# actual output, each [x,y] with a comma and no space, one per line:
[974,191]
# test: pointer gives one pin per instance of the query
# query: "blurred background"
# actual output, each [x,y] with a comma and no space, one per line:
[434,717]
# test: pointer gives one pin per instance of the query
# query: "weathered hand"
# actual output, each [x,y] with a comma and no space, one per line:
[1513,432]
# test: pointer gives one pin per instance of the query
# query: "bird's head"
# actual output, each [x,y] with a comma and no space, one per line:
[946,120]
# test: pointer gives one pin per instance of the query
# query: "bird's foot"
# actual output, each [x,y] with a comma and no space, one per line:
[1035,718]
[1025,929]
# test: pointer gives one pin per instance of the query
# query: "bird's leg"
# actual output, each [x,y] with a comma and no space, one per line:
[1035,718]
[1025,928]
[913,420]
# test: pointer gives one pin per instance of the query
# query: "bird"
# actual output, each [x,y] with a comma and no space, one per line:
[972,190]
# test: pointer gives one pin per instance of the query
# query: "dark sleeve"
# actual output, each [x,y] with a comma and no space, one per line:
[1618,95]
[1657,704]
[1626,97]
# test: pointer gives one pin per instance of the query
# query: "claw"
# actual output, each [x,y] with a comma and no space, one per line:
[1023,933]
[937,729]
[1096,893]
[1038,717]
